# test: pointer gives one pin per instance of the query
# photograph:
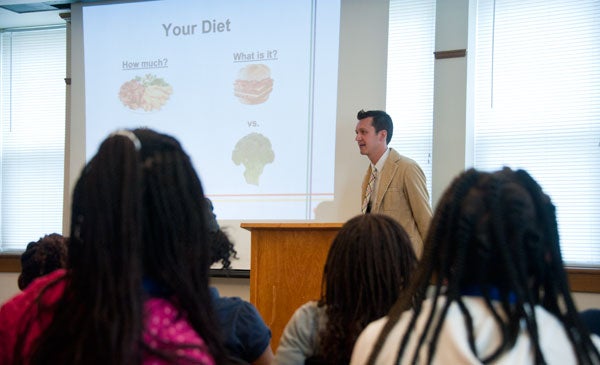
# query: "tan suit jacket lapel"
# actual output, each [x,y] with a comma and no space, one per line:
[385,178]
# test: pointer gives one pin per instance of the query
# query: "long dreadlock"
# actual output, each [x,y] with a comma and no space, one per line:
[496,232]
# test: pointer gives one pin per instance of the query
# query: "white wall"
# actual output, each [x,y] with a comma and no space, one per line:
[8,285]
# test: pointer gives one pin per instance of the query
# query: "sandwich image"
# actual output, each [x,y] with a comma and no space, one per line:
[253,84]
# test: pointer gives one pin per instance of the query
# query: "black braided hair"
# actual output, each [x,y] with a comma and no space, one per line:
[497,232]
[137,214]
[370,261]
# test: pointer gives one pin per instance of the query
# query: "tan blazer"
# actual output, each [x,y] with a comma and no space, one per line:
[402,194]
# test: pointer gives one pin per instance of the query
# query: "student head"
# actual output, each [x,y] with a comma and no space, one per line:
[42,257]
[497,230]
[138,228]
[370,261]
[495,234]
[222,250]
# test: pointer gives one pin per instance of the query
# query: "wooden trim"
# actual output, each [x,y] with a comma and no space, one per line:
[10,263]
[584,279]
[291,226]
[581,279]
[455,53]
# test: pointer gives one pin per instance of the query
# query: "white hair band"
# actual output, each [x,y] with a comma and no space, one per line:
[129,134]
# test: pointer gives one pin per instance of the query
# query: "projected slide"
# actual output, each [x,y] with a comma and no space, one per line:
[248,87]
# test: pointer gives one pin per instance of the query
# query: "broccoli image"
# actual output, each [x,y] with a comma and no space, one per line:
[254,152]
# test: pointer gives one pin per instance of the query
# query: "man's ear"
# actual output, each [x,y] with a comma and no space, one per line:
[382,135]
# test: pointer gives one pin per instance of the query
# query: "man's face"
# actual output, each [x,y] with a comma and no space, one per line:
[369,142]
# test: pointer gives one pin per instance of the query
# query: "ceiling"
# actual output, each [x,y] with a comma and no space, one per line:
[25,13]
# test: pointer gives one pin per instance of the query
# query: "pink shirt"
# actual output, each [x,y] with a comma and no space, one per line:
[164,330]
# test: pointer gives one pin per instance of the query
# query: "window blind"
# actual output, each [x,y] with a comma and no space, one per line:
[537,107]
[409,94]
[32,112]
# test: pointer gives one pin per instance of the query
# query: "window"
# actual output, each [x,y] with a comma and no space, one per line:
[537,97]
[32,122]
[409,99]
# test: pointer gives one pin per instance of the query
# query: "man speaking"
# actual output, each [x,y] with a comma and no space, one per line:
[394,184]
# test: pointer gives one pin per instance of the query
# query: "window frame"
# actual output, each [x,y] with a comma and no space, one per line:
[33,145]
[535,85]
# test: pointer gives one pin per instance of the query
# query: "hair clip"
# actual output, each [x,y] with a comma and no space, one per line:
[129,134]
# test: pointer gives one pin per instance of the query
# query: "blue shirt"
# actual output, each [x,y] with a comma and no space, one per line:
[246,334]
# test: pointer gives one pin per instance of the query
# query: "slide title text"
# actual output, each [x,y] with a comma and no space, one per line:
[206,26]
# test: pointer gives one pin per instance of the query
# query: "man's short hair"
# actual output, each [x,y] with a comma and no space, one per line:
[381,121]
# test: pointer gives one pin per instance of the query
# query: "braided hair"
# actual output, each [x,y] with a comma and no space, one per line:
[370,261]
[137,215]
[497,232]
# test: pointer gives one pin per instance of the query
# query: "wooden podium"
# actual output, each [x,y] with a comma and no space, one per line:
[287,261]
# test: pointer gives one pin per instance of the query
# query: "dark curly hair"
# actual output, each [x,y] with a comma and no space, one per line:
[221,249]
[42,257]
[369,263]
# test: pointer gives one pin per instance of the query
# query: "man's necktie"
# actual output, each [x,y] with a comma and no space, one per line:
[370,187]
